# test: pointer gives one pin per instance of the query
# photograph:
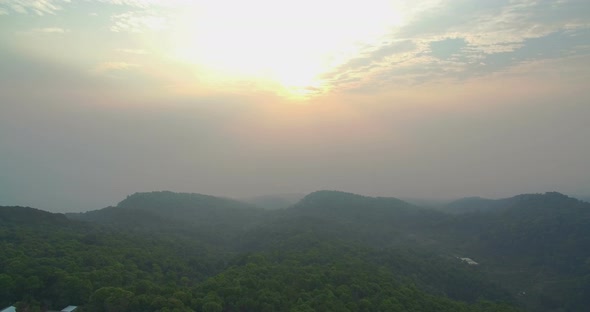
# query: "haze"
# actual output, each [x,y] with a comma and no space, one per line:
[434,99]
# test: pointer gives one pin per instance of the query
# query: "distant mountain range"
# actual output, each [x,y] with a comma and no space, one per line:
[276,201]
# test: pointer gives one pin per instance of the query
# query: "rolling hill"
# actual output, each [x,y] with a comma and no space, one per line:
[530,250]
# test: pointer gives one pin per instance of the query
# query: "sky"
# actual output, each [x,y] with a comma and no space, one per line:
[419,99]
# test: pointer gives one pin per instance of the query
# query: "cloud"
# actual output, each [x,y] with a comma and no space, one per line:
[461,39]
[447,48]
[50,30]
[133,3]
[39,7]
[432,39]
[138,22]
[377,54]
[113,66]
[43,31]
[133,51]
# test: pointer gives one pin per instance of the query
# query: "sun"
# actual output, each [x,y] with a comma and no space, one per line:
[289,47]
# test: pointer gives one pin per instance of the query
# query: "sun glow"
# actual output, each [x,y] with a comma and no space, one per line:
[284,46]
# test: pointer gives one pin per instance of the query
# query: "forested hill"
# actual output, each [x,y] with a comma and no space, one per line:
[478,204]
[342,202]
[332,251]
[375,221]
[550,217]
[128,218]
[177,210]
[472,204]
[536,244]
[273,202]
[43,266]
[188,206]
[546,228]
[27,215]
[352,208]
[207,219]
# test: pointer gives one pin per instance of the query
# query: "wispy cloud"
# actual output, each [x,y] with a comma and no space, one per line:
[433,39]
[132,3]
[50,30]
[39,7]
[458,39]
[44,31]
[138,22]
[133,51]
[113,66]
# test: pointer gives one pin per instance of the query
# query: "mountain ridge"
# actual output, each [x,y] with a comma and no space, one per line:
[20,214]
[530,243]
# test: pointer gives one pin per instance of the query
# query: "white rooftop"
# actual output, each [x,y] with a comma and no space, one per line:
[9,309]
[69,309]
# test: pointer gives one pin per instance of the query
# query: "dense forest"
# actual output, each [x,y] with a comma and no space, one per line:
[331,251]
